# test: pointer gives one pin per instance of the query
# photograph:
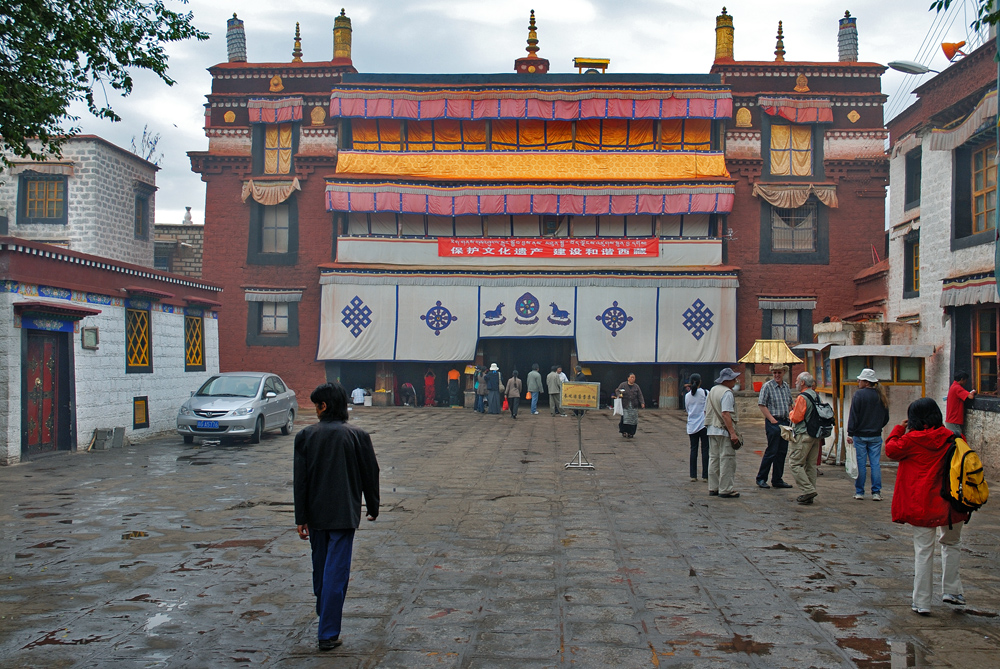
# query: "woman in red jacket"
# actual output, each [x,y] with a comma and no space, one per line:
[919,443]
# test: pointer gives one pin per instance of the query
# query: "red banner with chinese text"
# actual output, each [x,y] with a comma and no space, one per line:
[528,247]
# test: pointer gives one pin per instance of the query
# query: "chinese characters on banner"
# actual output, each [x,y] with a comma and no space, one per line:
[528,247]
[581,395]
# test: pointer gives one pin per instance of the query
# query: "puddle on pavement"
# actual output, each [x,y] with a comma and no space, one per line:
[155,621]
[135,534]
[236,543]
[50,544]
[41,514]
[846,621]
[906,654]
[745,644]
[53,638]
[876,653]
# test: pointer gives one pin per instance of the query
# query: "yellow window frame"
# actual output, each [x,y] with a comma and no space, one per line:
[194,343]
[984,184]
[45,198]
[138,340]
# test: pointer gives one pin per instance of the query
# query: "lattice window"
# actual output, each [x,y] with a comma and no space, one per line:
[984,189]
[984,351]
[45,198]
[274,229]
[278,149]
[785,325]
[141,217]
[274,318]
[194,344]
[794,229]
[138,341]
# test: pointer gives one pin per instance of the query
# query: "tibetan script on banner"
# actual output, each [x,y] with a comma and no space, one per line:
[531,247]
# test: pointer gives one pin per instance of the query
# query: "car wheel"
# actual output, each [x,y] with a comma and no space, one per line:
[287,427]
[257,431]
[188,439]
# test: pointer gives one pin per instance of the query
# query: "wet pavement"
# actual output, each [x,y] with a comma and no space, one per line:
[487,553]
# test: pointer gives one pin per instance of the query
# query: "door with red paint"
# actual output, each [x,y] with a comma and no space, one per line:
[42,412]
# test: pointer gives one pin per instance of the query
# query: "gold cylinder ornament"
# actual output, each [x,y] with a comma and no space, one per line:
[342,36]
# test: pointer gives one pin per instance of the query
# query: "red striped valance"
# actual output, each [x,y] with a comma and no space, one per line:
[284,110]
[531,199]
[666,104]
[798,111]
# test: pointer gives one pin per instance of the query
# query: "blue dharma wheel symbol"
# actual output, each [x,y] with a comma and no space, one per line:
[527,306]
[614,318]
[438,318]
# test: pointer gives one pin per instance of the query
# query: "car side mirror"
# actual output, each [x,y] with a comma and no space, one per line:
[270,394]
[192,393]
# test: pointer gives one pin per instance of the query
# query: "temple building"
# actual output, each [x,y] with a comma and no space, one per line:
[387,228]
[806,148]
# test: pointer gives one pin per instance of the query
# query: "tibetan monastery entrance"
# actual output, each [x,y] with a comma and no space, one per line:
[519,354]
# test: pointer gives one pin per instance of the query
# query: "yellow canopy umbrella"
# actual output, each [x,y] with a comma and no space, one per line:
[770,352]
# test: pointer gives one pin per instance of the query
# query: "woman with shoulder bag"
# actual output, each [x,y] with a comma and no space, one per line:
[513,393]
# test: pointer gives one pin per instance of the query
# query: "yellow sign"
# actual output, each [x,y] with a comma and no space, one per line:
[581,395]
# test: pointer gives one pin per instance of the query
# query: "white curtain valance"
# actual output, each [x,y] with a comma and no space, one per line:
[270,193]
[949,140]
[790,196]
[273,295]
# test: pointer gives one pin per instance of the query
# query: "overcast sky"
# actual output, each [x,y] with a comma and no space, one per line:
[479,36]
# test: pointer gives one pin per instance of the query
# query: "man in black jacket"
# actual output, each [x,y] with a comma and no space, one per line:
[334,464]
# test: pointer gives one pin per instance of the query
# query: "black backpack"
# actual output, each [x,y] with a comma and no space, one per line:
[819,423]
[493,381]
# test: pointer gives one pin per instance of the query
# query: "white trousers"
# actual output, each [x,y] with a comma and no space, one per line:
[923,567]
[721,464]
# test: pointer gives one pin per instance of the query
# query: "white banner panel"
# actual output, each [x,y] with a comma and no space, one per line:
[616,324]
[533,311]
[437,323]
[697,325]
[357,322]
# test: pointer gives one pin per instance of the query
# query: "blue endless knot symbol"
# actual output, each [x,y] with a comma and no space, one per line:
[698,319]
[357,316]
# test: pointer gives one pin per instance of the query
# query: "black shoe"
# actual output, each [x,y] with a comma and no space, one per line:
[806,502]
[806,499]
[713,493]
[729,495]
[761,483]
[780,484]
[330,644]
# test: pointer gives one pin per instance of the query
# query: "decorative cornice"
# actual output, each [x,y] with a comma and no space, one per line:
[793,69]
[227,132]
[857,134]
[204,163]
[836,99]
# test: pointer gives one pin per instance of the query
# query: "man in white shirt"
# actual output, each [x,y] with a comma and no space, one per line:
[723,439]
[358,395]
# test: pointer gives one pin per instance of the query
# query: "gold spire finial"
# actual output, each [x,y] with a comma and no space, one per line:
[847,15]
[779,49]
[723,36]
[532,47]
[297,50]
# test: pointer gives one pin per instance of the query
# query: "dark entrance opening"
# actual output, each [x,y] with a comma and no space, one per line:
[519,354]
[47,385]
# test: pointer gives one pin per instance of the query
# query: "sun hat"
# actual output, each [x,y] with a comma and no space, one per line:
[778,367]
[494,368]
[868,375]
[727,374]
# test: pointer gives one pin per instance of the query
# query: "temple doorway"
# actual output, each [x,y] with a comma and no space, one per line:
[520,354]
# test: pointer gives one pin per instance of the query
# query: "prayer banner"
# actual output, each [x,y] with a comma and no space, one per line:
[530,247]
[527,311]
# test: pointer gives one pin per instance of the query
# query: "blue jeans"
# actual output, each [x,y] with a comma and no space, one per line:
[869,450]
[331,558]
[479,402]
[534,402]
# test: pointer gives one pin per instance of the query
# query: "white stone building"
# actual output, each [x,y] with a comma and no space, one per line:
[96,198]
[942,216]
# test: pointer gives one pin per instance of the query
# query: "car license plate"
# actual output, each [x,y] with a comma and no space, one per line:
[208,425]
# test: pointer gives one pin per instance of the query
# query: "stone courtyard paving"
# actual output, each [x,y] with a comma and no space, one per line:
[487,553]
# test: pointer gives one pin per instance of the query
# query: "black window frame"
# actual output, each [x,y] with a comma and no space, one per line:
[805,324]
[257,257]
[257,139]
[818,132]
[911,284]
[255,337]
[912,178]
[821,256]
[962,236]
[141,224]
[22,199]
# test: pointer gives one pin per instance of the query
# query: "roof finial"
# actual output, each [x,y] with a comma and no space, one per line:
[532,47]
[297,50]
[779,49]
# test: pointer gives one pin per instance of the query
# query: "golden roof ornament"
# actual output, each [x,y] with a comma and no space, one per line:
[723,36]
[297,49]
[532,63]
[779,49]
[532,47]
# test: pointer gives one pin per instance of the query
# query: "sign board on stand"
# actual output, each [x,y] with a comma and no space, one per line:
[580,395]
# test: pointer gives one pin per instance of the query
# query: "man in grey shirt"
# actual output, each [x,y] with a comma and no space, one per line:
[555,391]
[534,387]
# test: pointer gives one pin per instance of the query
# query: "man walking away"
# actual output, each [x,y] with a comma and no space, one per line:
[334,463]
[534,387]
[513,393]
[955,407]
[805,449]
[555,391]
[721,419]
[869,414]
[774,401]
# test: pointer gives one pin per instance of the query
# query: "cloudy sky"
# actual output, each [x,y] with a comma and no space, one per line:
[485,36]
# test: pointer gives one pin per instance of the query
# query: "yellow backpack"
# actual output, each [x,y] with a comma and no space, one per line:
[963,483]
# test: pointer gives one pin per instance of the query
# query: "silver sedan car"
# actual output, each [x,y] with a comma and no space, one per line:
[238,404]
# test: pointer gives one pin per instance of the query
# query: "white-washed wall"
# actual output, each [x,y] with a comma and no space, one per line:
[100,202]
[104,392]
